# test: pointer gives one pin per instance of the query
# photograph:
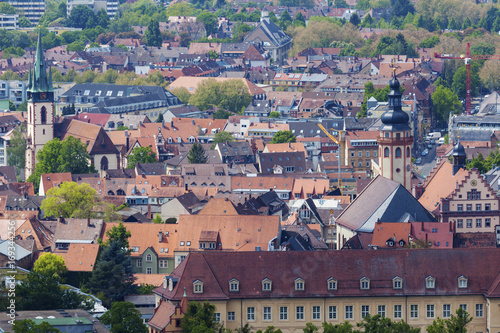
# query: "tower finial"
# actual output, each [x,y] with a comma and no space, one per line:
[184,292]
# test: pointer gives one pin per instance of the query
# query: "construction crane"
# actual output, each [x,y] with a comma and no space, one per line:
[467,59]
[339,184]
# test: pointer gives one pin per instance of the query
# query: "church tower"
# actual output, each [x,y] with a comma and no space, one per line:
[40,94]
[395,140]
[459,157]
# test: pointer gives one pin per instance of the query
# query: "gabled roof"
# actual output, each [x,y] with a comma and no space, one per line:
[77,231]
[382,200]
[33,229]
[218,207]
[18,251]
[80,257]
[161,317]
[50,180]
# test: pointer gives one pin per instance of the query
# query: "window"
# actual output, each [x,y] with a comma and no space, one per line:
[163,264]
[430,282]
[352,154]
[479,310]
[469,207]
[469,223]
[381,310]
[460,223]
[332,284]
[374,153]
[367,153]
[397,283]
[251,313]
[365,283]
[386,152]
[365,310]
[398,152]
[460,207]
[149,257]
[474,195]
[430,311]
[487,206]
[478,207]
[332,312]
[397,311]
[198,287]
[446,310]
[349,312]
[367,164]
[407,150]
[283,312]
[360,154]
[299,313]
[479,223]
[299,284]
[231,316]
[266,285]
[234,285]
[267,313]
[487,223]
[139,262]
[217,317]
[414,311]
[360,164]
[44,115]
[182,243]
[316,312]
[149,270]
[463,307]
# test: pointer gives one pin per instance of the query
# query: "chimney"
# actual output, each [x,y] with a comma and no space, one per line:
[164,282]
[170,284]
[127,140]
[422,226]
[60,219]
[160,236]
[186,187]
[172,123]
[88,222]
[149,212]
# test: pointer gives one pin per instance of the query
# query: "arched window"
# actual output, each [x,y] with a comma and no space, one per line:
[111,193]
[120,192]
[407,152]
[149,257]
[44,115]
[386,152]
[398,152]
[104,163]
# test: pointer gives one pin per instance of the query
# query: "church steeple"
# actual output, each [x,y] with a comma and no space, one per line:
[40,81]
[395,118]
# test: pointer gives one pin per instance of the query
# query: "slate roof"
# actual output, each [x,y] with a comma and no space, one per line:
[268,32]
[267,161]
[216,269]
[382,200]
[310,128]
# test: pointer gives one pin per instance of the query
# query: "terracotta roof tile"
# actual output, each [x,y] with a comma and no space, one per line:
[80,257]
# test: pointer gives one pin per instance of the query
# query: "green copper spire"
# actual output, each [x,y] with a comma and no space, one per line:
[40,81]
[29,78]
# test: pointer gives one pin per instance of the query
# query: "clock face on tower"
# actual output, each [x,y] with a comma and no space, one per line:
[43,96]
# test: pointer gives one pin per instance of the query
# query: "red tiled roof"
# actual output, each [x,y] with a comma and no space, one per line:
[80,257]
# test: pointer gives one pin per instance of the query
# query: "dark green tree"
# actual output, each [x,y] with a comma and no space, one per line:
[445,101]
[24,22]
[153,34]
[455,324]
[102,18]
[200,318]
[185,39]
[123,317]
[58,156]
[283,137]
[377,323]
[29,326]
[467,23]
[274,114]
[140,155]
[160,118]
[16,150]
[340,4]
[401,8]
[196,154]
[222,114]
[112,277]
[222,137]
[209,20]
[459,80]
[345,327]
[300,18]
[6,8]
[118,234]
[79,16]
[355,20]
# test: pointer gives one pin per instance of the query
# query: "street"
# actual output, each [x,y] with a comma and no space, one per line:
[428,161]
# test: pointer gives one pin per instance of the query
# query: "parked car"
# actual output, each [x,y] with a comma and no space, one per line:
[429,146]
[425,152]
[419,160]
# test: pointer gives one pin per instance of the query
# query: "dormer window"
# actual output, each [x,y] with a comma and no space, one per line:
[331,284]
[149,257]
[234,285]
[267,285]
[299,284]
[462,282]
[430,282]
[364,283]
[397,283]
[198,287]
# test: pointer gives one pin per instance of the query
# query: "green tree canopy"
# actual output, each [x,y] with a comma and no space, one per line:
[222,114]
[58,156]
[231,95]
[274,114]
[120,234]
[16,151]
[153,34]
[182,93]
[222,137]
[209,20]
[140,155]
[112,277]
[29,326]
[283,137]
[123,317]
[459,80]
[6,8]
[197,154]
[455,324]
[200,318]
[50,265]
[445,101]
[79,16]
[70,200]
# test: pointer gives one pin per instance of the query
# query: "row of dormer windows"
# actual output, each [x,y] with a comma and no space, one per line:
[331,284]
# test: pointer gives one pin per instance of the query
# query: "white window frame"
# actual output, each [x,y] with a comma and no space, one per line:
[299,284]
[332,312]
[414,311]
[398,311]
[149,270]
[234,285]
[480,310]
[139,262]
[365,310]
[316,312]
[163,263]
[149,257]
[283,313]
[431,311]
[250,313]
[364,283]
[267,285]
[198,287]
[446,310]
[397,283]
[430,282]
[462,282]
[349,312]
[331,284]
[381,310]
[299,312]
[231,316]
[266,313]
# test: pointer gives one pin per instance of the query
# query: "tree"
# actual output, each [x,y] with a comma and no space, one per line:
[6,8]
[185,39]
[455,324]
[222,114]
[24,22]
[209,20]
[339,328]
[58,156]
[102,18]
[377,323]
[458,84]
[118,234]
[222,137]
[112,277]
[283,137]
[270,329]
[445,101]
[16,151]
[274,114]
[79,16]
[355,20]
[310,328]
[70,200]
[231,95]
[50,265]
[140,155]
[123,317]
[199,318]
[196,154]
[182,94]
[29,326]
[153,34]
